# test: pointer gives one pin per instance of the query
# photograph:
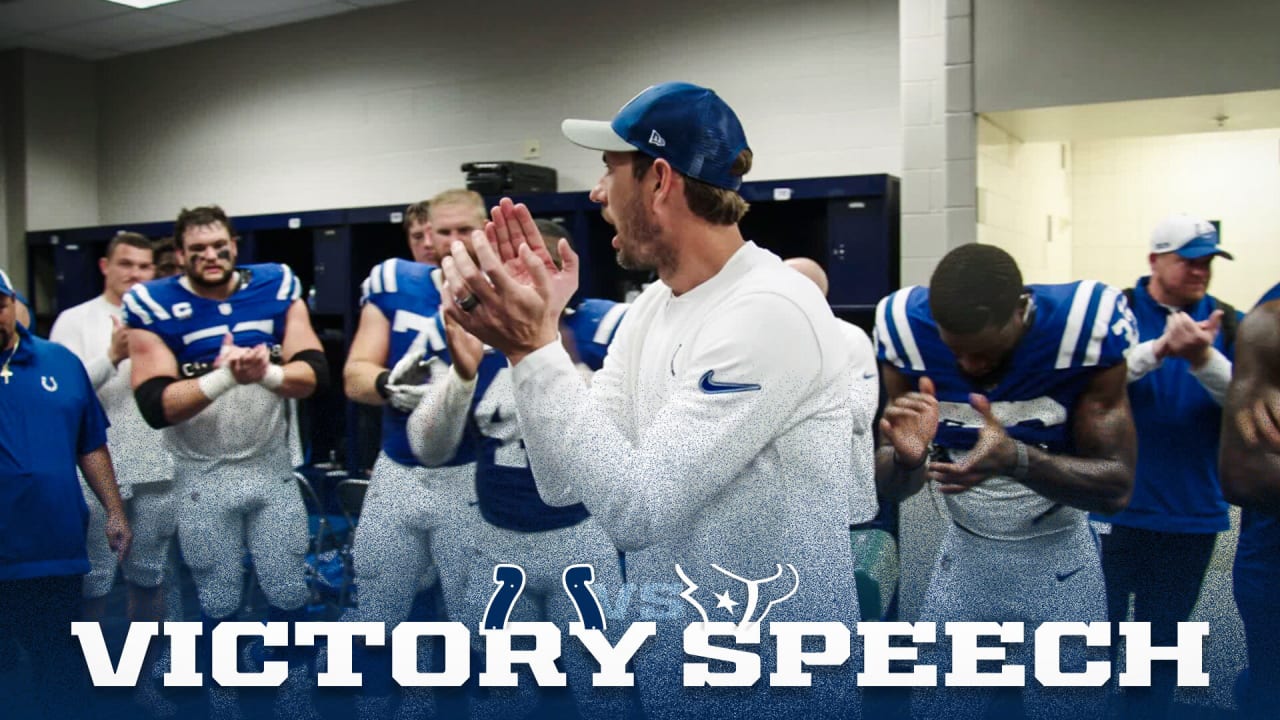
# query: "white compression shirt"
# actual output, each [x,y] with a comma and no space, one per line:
[136,450]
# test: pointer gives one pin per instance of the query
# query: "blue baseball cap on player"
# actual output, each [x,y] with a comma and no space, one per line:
[687,125]
[1190,237]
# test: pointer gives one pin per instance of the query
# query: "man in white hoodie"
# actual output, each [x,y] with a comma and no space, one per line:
[712,447]
[93,330]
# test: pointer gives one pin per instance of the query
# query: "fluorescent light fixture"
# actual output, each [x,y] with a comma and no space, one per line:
[142,4]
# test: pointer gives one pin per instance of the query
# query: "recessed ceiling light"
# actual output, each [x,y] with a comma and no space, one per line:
[142,4]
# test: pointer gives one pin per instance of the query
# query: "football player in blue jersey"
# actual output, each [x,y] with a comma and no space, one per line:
[416,523]
[475,401]
[1250,473]
[1009,401]
[218,352]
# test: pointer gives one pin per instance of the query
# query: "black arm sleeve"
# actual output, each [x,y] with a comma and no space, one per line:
[150,399]
[319,365]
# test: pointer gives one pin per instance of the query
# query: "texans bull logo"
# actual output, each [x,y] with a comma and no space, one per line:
[716,597]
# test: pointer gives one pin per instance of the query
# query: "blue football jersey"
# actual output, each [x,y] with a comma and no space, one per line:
[407,296]
[193,327]
[593,324]
[1077,329]
[248,431]
[505,488]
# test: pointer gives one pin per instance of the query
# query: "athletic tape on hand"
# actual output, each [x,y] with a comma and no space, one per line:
[274,377]
[216,383]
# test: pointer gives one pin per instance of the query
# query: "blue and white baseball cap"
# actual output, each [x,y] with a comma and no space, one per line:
[687,125]
[1188,236]
[6,285]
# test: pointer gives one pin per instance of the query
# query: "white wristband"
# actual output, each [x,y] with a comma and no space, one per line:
[274,377]
[217,382]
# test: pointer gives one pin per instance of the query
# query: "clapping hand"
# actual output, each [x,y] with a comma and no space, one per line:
[511,294]
[1187,339]
[909,424]
[993,454]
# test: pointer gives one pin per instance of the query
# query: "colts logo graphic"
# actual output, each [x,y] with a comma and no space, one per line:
[49,383]
[758,596]
[577,581]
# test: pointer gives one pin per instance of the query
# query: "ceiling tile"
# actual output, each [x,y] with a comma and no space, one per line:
[226,12]
[316,10]
[123,30]
[26,16]
[92,28]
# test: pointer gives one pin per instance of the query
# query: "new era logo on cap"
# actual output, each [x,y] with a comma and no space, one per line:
[6,287]
[689,126]
[1189,237]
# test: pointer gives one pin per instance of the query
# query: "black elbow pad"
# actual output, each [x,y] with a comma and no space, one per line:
[319,365]
[150,398]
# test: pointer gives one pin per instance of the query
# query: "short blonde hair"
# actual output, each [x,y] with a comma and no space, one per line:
[458,196]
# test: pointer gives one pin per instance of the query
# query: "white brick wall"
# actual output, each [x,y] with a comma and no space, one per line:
[1122,188]
[382,106]
[1024,203]
[938,192]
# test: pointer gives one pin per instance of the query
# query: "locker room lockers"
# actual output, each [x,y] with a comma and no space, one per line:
[848,224]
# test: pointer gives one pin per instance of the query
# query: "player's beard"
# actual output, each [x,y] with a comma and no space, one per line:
[6,338]
[640,241]
[197,278]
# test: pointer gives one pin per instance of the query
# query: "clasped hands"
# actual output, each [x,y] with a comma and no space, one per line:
[247,364]
[910,423]
[1188,339]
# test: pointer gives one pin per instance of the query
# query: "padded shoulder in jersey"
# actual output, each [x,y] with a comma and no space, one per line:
[1082,324]
[271,282]
[1077,325]
[390,278]
[158,302]
[151,303]
[903,321]
[594,323]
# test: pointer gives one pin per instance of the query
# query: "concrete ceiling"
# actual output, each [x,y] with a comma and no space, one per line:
[97,29]
[1140,118]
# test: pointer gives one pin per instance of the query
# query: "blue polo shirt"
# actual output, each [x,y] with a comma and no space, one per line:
[1176,486]
[49,417]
